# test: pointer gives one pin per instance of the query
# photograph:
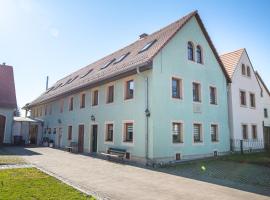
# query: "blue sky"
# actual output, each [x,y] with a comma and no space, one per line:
[55,38]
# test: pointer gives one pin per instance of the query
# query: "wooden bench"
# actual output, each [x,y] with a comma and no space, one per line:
[73,147]
[115,153]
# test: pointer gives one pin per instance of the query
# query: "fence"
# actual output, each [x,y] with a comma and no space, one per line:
[247,145]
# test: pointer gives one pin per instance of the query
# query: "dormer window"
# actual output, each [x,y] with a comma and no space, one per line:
[190,49]
[147,46]
[88,72]
[199,54]
[107,64]
[121,58]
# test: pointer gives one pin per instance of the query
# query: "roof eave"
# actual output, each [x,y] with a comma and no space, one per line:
[131,70]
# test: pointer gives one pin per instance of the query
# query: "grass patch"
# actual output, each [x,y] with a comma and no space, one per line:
[260,158]
[32,184]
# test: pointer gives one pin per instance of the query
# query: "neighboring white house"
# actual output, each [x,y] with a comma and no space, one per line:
[266,110]
[245,102]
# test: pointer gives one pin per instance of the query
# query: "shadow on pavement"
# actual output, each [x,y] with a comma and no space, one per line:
[17,151]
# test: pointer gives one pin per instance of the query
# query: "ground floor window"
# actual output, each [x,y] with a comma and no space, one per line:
[69,132]
[254,132]
[109,133]
[128,132]
[197,133]
[244,131]
[214,132]
[177,132]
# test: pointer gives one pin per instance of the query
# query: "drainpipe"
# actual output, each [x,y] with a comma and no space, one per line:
[147,113]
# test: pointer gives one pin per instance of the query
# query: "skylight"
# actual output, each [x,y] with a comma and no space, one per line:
[121,58]
[147,46]
[56,87]
[50,89]
[107,64]
[88,72]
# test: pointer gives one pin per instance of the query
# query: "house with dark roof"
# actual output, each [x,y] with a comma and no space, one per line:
[245,101]
[161,98]
[8,103]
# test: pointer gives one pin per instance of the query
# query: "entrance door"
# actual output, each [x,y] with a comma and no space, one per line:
[2,128]
[33,131]
[59,138]
[94,138]
[81,138]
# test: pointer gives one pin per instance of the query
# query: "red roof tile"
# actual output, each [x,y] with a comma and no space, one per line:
[7,87]
[134,59]
[230,60]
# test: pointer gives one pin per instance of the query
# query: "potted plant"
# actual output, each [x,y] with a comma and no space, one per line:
[45,142]
[51,143]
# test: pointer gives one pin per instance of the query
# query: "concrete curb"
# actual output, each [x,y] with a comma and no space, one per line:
[82,189]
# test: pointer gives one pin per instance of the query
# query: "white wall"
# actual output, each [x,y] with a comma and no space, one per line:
[266,104]
[245,115]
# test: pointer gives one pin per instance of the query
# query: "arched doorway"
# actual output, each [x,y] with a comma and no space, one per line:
[2,128]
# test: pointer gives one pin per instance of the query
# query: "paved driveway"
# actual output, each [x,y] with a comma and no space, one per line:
[118,181]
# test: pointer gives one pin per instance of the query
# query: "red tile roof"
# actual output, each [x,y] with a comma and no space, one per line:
[134,59]
[7,87]
[230,60]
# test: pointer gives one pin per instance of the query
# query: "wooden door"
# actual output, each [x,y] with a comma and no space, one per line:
[94,138]
[2,128]
[80,138]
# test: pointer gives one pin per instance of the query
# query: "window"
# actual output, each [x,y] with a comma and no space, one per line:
[109,133]
[248,71]
[49,130]
[243,98]
[214,132]
[196,92]
[252,100]
[265,113]
[88,72]
[95,98]
[108,63]
[62,106]
[177,132]
[128,132]
[199,54]
[197,133]
[190,51]
[245,131]
[254,132]
[213,95]
[147,46]
[176,88]
[129,92]
[243,69]
[121,58]
[82,101]
[71,104]
[110,94]
[69,132]
[54,131]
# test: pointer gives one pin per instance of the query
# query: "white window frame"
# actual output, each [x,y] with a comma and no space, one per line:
[123,133]
[181,82]
[216,103]
[202,133]
[182,129]
[92,96]
[200,91]
[213,123]
[105,132]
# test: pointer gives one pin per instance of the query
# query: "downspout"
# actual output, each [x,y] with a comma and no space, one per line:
[147,114]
